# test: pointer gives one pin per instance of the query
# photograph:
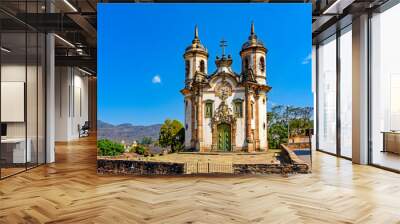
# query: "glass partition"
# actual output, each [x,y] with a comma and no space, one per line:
[327,95]
[346,92]
[22,88]
[13,94]
[385,89]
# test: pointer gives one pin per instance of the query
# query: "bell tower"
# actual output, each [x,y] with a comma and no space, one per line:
[196,59]
[253,56]
[254,78]
[196,65]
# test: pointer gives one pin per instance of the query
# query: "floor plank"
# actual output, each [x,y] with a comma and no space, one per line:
[70,191]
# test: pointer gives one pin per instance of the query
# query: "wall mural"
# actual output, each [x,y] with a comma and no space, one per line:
[222,124]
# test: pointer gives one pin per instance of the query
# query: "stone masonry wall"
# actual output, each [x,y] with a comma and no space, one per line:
[290,163]
[131,167]
[297,164]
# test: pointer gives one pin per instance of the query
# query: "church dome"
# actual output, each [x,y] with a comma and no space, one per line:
[196,47]
[196,44]
[253,41]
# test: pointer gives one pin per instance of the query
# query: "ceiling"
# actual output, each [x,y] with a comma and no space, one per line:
[332,15]
[75,22]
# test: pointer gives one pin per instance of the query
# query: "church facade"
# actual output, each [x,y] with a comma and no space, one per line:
[226,111]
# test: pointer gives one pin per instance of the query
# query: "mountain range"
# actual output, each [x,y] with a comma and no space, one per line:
[126,132]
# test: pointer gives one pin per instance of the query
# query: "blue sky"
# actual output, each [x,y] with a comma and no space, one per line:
[140,47]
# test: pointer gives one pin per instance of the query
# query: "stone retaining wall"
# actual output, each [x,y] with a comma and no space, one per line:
[257,169]
[290,163]
[297,164]
[270,168]
[134,167]
[129,167]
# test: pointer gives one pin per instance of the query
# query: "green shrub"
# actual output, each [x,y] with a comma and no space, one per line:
[109,148]
[141,150]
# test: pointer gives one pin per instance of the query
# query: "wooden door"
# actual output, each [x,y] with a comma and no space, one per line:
[224,137]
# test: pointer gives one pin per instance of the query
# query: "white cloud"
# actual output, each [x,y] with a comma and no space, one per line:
[156,79]
[307,59]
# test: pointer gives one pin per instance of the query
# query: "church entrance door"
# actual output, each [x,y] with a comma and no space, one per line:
[224,137]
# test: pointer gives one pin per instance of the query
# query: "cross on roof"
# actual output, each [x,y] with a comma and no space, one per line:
[223,45]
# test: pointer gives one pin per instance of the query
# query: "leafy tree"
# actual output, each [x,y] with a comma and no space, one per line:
[172,134]
[284,121]
[277,135]
[109,148]
[146,140]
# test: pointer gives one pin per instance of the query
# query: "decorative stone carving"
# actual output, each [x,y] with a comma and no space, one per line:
[223,90]
[223,114]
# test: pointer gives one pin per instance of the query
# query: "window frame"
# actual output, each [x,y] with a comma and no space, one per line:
[202,66]
[208,108]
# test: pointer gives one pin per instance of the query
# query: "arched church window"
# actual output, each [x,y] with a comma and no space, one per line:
[246,63]
[187,68]
[264,125]
[202,66]
[262,64]
[208,109]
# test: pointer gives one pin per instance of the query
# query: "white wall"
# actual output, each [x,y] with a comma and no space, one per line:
[71,102]
[207,128]
[61,103]
[209,94]
[15,73]
[262,120]
[12,73]
[33,125]
[188,123]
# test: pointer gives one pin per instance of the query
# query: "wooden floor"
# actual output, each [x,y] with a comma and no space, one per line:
[70,191]
[386,159]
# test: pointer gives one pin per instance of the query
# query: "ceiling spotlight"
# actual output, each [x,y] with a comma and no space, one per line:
[70,5]
[84,71]
[337,7]
[5,50]
[64,40]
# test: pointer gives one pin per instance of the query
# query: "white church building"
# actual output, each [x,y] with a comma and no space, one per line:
[226,111]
